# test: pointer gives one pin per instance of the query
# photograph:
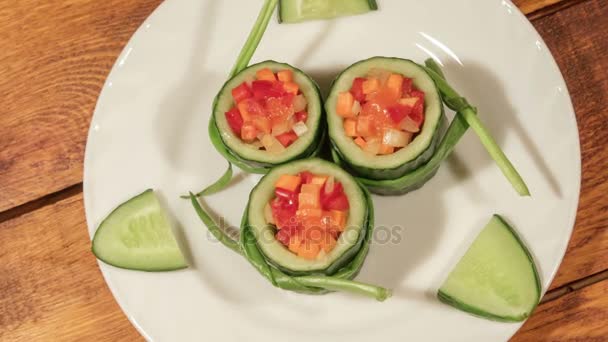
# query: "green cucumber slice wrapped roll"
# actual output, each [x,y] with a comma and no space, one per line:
[255,159]
[295,11]
[331,271]
[374,167]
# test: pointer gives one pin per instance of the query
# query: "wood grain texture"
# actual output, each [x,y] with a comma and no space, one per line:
[580,316]
[54,59]
[538,8]
[578,38]
[50,286]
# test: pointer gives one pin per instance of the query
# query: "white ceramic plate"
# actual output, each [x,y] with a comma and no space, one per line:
[150,130]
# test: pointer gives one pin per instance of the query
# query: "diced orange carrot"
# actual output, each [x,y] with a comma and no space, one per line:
[386,149]
[350,127]
[263,124]
[294,243]
[309,250]
[359,141]
[338,219]
[288,182]
[318,180]
[395,84]
[371,85]
[365,125]
[285,75]
[265,75]
[409,101]
[306,213]
[328,243]
[345,103]
[249,132]
[291,87]
[310,196]
[243,109]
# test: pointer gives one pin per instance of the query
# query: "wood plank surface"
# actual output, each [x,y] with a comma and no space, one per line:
[50,286]
[578,38]
[54,59]
[579,316]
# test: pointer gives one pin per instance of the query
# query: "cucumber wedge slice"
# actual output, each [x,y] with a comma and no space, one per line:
[496,278]
[295,11]
[137,236]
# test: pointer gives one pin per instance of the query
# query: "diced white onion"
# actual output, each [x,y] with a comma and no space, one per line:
[299,103]
[271,144]
[372,146]
[356,108]
[396,138]
[268,214]
[300,128]
[329,185]
[282,127]
[256,145]
[409,125]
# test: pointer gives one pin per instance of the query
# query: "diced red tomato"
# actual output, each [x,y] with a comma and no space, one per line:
[306,177]
[301,116]
[357,89]
[398,112]
[241,92]
[263,90]
[339,202]
[287,99]
[287,139]
[276,108]
[250,108]
[286,234]
[419,94]
[336,200]
[407,86]
[417,113]
[284,211]
[235,120]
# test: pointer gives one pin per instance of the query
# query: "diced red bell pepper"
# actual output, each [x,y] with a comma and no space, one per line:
[301,116]
[398,112]
[407,87]
[286,194]
[263,90]
[419,94]
[284,235]
[241,92]
[339,202]
[235,120]
[357,89]
[417,113]
[336,200]
[284,211]
[287,139]
[307,177]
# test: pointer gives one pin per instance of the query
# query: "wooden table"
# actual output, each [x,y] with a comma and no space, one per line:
[55,56]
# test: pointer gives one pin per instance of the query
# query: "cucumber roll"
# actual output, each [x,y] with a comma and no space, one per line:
[307,228]
[267,115]
[384,117]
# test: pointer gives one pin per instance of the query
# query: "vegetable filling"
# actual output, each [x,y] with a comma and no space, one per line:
[309,212]
[382,112]
[269,112]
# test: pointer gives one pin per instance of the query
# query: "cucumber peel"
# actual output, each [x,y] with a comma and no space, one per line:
[496,278]
[295,11]
[304,282]
[137,235]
